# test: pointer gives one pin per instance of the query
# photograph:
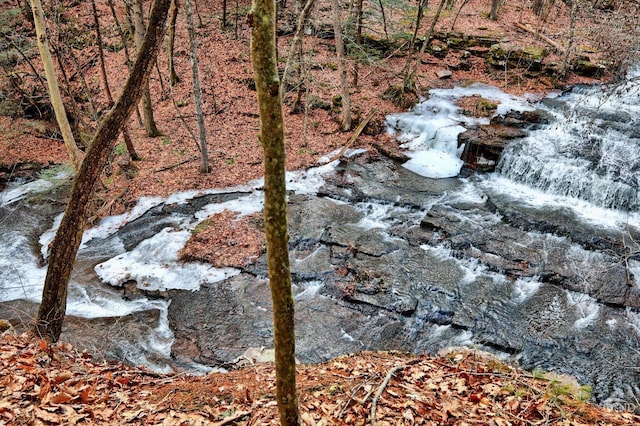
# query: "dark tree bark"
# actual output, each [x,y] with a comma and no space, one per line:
[411,77]
[407,84]
[264,60]
[173,16]
[69,236]
[495,6]
[359,12]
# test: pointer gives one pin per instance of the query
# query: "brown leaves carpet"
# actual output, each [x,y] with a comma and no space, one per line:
[42,384]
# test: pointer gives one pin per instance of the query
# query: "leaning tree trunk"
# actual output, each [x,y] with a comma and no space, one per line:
[69,235]
[265,66]
[345,121]
[54,91]
[147,107]
[197,92]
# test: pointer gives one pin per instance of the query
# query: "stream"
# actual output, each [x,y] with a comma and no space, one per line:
[538,262]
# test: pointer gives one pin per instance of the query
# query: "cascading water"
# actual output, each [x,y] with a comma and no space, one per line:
[385,257]
[590,152]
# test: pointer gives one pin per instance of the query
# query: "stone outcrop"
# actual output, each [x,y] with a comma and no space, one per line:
[484,144]
[513,55]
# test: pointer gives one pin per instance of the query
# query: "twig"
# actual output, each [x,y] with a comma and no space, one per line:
[173,166]
[385,382]
[356,133]
[233,419]
[543,37]
[354,391]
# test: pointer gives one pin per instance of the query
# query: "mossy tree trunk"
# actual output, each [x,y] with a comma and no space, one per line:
[69,235]
[75,154]
[264,60]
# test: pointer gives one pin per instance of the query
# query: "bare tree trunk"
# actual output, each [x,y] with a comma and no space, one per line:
[54,91]
[358,39]
[296,49]
[69,235]
[407,85]
[495,5]
[173,16]
[123,39]
[345,122]
[567,54]
[384,20]
[147,107]
[103,69]
[455,18]
[265,66]
[197,92]
[105,82]
[427,39]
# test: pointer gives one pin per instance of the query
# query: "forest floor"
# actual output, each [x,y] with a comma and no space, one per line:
[53,384]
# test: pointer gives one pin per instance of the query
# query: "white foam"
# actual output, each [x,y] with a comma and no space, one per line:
[586,308]
[154,265]
[524,288]
[20,275]
[16,191]
[311,289]
[588,212]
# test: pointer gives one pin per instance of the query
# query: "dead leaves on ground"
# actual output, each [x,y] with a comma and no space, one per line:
[41,384]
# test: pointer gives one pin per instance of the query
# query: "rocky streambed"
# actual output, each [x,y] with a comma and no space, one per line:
[383,259]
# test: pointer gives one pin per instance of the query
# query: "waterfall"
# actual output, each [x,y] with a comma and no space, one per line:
[590,152]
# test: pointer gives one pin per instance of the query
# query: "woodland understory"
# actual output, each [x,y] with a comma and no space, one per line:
[585,42]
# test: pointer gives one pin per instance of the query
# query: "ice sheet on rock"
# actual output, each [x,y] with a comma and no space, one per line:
[154,265]
[434,164]
[430,132]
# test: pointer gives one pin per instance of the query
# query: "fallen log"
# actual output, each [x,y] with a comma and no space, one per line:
[542,37]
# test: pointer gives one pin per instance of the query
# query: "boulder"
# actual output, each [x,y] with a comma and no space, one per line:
[484,144]
[513,55]
[582,65]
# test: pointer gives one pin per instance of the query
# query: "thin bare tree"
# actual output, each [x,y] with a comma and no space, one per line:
[173,16]
[105,83]
[75,154]
[65,245]
[147,106]
[197,92]
[265,68]
[345,120]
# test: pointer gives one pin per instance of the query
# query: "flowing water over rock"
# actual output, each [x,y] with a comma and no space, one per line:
[385,257]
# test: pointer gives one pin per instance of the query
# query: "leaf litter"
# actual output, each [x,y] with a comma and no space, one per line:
[44,384]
